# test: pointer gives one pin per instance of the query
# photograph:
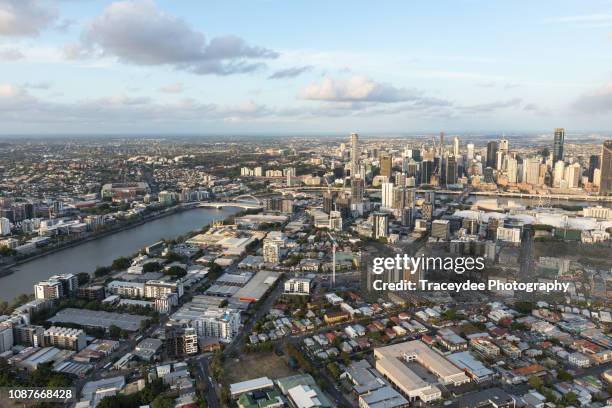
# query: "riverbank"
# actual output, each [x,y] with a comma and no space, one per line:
[88,254]
[6,269]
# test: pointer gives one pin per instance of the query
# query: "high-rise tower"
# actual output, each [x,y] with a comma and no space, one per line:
[605,186]
[491,154]
[354,154]
[558,144]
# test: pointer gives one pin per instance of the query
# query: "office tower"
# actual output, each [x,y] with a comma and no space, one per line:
[386,164]
[440,229]
[427,169]
[408,217]
[456,146]
[412,169]
[451,170]
[489,175]
[400,179]
[410,197]
[470,151]
[512,169]
[357,188]
[574,172]
[415,154]
[503,145]
[328,201]
[5,226]
[380,225]
[399,198]
[442,147]
[558,173]
[594,163]
[387,195]
[500,160]
[558,144]
[354,154]
[427,210]
[343,205]
[605,183]
[531,170]
[491,154]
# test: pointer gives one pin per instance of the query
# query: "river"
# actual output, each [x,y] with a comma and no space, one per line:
[101,252]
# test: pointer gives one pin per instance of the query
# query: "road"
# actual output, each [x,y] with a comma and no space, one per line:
[204,376]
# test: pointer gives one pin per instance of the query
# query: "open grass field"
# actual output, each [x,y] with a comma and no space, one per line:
[254,365]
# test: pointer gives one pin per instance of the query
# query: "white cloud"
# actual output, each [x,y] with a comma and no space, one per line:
[173,88]
[137,32]
[358,89]
[23,18]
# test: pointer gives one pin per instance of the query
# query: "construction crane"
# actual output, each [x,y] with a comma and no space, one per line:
[334,246]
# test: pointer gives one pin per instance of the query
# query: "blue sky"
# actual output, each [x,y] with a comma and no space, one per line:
[301,67]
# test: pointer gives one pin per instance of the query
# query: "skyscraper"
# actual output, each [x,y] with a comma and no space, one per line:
[380,225]
[531,170]
[491,154]
[451,170]
[558,173]
[385,165]
[512,169]
[605,186]
[354,154]
[470,151]
[357,187]
[456,146]
[387,195]
[427,169]
[593,164]
[558,144]
[328,201]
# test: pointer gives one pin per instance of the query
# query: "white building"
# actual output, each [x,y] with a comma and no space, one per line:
[387,195]
[509,234]
[272,246]
[579,360]
[154,289]
[220,323]
[65,338]
[6,337]
[126,288]
[298,286]
[5,226]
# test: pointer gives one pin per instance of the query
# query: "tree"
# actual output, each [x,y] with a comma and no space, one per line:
[535,382]
[175,271]
[102,271]
[564,375]
[151,267]
[162,401]
[83,278]
[570,398]
[524,307]
[114,331]
[121,263]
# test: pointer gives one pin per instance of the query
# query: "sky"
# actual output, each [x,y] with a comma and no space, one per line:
[304,67]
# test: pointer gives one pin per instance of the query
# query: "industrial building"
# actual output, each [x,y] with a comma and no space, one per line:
[392,362]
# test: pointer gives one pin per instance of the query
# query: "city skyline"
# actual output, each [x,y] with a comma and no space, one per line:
[158,67]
